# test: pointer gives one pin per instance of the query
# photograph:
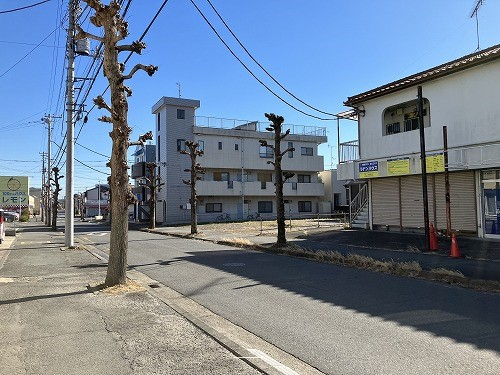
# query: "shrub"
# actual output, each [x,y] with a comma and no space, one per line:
[25,215]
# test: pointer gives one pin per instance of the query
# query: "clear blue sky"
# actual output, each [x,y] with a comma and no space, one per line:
[322,51]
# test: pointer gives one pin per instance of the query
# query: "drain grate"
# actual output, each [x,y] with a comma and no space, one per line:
[233,264]
[154,286]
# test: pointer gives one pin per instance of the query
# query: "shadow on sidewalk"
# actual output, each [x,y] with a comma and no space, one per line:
[44,296]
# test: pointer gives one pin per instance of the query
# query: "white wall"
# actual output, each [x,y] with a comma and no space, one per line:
[466,102]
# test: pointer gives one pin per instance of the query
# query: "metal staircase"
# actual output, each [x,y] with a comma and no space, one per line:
[358,209]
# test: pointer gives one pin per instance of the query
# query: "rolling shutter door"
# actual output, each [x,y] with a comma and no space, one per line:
[463,201]
[412,206]
[385,201]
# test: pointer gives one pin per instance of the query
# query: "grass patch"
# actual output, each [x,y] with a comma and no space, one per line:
[240,242]
[447,272]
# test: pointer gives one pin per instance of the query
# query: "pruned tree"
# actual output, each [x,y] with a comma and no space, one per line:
[55,196]
[154,185]
[280,176]
[193,151]
[115,30]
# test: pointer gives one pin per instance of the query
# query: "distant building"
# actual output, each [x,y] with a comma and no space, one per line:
[96,201]
[238,181]
[142,155]
[336,194]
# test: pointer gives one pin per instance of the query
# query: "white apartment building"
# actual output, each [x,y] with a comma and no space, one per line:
[461,95]
[238,181]
[142,155]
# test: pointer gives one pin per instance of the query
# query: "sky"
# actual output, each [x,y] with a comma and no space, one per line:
[322,51]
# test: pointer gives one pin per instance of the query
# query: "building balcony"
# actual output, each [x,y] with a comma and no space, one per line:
[256,126]
[257,188]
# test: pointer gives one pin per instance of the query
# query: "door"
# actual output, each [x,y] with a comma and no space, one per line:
[491,202]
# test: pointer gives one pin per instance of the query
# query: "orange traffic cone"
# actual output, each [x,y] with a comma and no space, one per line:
[433,239]
[454,252]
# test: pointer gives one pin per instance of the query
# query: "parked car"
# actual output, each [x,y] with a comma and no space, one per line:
[10,216]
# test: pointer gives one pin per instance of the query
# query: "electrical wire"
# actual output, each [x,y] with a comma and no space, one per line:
[95,152]
[251,73]
[22,8]
[89,167]
[260,66]
[30,52]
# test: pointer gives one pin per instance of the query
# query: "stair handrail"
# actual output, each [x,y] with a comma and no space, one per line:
[358,203]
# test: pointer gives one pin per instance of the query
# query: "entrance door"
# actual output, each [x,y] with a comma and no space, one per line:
[491,202]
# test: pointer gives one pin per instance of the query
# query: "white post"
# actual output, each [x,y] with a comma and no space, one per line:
[99,198]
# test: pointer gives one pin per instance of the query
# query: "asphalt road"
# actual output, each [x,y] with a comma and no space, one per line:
[340,320]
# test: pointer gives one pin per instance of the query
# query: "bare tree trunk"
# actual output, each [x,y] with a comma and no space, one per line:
[115,30]
[57,189]
[280,177]
[195,170]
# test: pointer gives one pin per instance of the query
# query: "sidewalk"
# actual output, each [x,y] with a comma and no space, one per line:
[52,324]
[481,257]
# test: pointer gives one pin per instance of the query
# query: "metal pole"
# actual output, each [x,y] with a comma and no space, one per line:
[424,167]
[42,191]
[99,199]
[338,140]
[446,182]
[48,121]
[70,130]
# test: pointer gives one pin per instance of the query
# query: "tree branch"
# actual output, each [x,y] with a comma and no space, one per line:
[101,103]
[81,34]
[136,47]
[150,69]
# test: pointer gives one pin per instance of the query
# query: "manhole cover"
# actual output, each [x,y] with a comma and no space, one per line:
[233,264]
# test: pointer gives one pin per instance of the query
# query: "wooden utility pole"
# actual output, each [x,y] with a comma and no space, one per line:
[280,177]
[195,170]
[446,182]
[115,30]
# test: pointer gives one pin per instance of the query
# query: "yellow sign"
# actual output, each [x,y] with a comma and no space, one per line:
[398,166]
[434,163]
[14,191]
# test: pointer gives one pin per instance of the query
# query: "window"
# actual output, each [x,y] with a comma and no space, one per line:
[393,128]
[294,186]
[265,207]
[158,118]
[229,184]
[235,147]
[181,145]
[201,146]
[290,153]
[221,176]
[404,117]
[266,152]
[307,151]
[220,145]
[213,207]
[304,178]
[305,206]
[181,114]
[158,147]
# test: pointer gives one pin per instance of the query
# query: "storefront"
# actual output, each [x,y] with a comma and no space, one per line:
[490,186]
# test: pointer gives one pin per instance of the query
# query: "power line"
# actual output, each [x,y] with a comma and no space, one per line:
[251,73]
[95,152]
[260,66]
[29,53]
[22,8]
[89,167]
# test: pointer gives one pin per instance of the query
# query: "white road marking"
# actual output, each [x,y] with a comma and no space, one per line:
[6,280]
[271,361]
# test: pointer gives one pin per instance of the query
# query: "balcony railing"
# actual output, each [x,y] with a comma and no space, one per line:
[257,126]
[349,151]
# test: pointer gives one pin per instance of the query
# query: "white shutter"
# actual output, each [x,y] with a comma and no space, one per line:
[385,201]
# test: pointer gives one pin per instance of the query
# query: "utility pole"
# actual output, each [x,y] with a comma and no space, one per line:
[48,120]
[70,131]
[423,164]
[42,191]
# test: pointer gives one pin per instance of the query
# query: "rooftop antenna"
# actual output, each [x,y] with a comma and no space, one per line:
[179,88]
[473,13]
